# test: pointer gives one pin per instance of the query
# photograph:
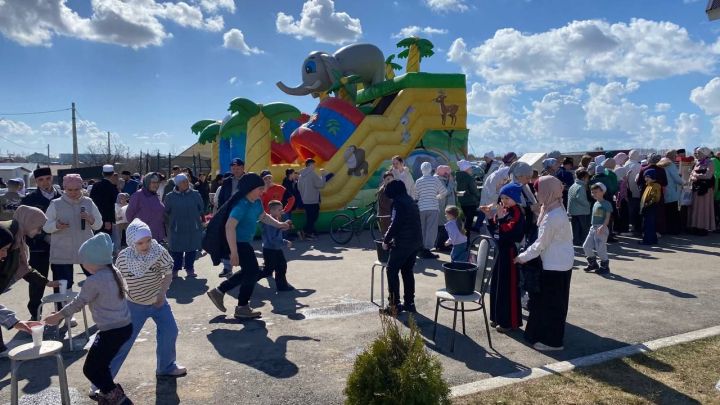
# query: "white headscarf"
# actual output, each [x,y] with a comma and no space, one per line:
[139,263]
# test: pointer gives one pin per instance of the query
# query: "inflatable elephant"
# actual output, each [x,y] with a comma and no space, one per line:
[320,70]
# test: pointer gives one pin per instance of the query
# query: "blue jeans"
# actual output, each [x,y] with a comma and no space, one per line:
[459,253]
[167,332]
[189,261]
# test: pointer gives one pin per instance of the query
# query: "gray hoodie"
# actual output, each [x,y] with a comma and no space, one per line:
[100,292]
[309,186]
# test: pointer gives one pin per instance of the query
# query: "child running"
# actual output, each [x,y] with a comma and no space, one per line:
[505,309]
[147,269]
[273,255]
[456,235]
[239,230]
[597,237]
[104,293]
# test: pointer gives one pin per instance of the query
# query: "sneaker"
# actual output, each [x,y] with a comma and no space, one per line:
[410,308]
[592,265]
[500,329]
[116,396]
[94,394]
[179,371]
[216,296]
[225,273]
[391,310]
[545,348]
[245,312]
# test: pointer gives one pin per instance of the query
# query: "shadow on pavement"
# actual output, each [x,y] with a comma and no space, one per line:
[184,290]
[648,286]
[252,346]
[475,356]
[166,391]
[284,303]
[624,377]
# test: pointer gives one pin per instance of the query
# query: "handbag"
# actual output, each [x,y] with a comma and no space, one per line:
[530,275]
[686,197]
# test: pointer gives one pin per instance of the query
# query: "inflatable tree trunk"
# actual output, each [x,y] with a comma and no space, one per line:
[259,138]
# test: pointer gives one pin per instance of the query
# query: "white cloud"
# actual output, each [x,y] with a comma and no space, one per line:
[577,119]
[259,83]
[212,6]
[662,107]
[485,102]
[135,24]
[640,50]
[234,39]
[414,30]
[444,6]
[319,20]
[233,80]
[708,96]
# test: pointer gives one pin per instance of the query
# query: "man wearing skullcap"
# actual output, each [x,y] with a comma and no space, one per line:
[39,246]
[104,194]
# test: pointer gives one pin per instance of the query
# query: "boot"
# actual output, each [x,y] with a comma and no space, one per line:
[114,397]
[245,312]
[604,267]
[592,264]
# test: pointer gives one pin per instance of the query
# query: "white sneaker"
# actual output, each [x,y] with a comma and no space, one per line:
[545,348]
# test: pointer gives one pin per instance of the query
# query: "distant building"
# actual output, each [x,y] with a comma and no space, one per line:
[15,171]
[38,158]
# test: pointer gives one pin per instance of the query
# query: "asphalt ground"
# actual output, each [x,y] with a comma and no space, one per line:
[302,349]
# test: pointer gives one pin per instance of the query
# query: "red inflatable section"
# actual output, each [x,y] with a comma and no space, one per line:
[282,153]
[310,144]
[349,111]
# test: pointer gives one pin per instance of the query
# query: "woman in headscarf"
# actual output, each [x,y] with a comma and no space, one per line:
[71,220]
[27,222]
[548,308]
[184,209]
[672,193]
[702,211]
[147,206]
[622,222]
[521,173]
[444,174]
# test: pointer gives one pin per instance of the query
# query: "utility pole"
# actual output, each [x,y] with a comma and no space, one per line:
[48,150]
[108,158]
[76,161]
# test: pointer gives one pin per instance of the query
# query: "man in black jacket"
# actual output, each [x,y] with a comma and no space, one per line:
[229,185]
[39,245]
[404,239]
[104,194]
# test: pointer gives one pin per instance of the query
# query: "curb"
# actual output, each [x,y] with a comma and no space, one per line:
[569,365]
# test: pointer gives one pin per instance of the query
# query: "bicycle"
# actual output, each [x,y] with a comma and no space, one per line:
[343,227]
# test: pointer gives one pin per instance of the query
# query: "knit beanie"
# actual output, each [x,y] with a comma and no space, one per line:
[97,250]
[512,190]
[136,231]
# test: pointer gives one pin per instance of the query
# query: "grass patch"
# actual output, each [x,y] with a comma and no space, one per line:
[682,374]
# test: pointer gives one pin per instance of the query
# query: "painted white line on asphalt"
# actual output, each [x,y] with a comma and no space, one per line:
[565,366]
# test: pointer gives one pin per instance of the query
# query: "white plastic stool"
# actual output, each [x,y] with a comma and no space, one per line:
[64,299]
[29,352]
[382,266]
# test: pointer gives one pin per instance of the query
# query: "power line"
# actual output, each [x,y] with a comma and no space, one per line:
[20,145]
[36,112]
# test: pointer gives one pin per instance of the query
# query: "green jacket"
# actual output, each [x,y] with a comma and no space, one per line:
[466,183]
[716,163]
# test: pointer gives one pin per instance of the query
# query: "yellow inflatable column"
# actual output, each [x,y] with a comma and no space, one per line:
[215,160]
[259,138]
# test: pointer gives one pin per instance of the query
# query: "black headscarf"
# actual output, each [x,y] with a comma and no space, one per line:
[249,182]
[396,189]
[6,237]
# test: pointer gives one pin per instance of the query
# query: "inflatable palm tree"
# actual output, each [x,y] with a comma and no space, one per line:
[391,67]
[415,49]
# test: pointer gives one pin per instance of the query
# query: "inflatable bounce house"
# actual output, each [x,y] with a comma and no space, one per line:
[366,115]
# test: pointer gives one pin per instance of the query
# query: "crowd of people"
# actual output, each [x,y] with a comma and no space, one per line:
[132,235]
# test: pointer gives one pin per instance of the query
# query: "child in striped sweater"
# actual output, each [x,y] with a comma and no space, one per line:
[147,269]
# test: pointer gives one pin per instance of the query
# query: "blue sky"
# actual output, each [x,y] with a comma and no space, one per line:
[542,75]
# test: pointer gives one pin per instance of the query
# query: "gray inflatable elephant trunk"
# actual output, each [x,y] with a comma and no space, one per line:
[320,69]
